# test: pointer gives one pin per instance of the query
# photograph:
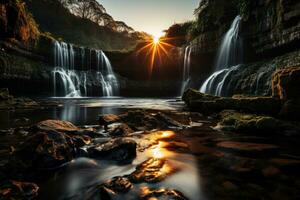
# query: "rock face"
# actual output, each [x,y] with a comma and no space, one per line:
[56,125]
[15,22]
[286,83]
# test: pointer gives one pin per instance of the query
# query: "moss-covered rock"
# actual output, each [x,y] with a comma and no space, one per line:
[16,22]
[207,104]
[250,123]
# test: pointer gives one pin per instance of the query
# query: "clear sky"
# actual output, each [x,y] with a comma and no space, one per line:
[151,16]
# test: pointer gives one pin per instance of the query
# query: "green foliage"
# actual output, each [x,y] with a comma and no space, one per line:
[243,7]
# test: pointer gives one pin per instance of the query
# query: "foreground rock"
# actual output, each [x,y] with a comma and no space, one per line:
[240,122]
[207,104]
[14,190]
[151,171]
[43,151]
[161,194]
[120,150]
[56,125]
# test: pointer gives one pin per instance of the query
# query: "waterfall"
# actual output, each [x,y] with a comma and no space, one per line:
[186,69]
[229,57]
[76,83]
[218,83]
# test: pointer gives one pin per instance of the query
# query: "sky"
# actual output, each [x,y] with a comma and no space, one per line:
[151,16]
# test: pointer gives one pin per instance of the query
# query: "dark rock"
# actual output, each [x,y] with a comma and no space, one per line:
[207,104]
[121,150]
[151,171]
[142,120]
[286,83]
[56,125]
[108,119]
[290,110]
[4,94]
[118,184]
[119,129]
[13,190]
[161,194]
[250,123]
[254,149]
[229,186]
[42,151]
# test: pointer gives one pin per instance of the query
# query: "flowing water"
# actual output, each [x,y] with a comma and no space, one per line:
[186,69]
[229,57]
[75,83]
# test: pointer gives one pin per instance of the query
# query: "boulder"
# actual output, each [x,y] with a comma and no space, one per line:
[118,184]
[56,125]
[120,150]
[161,194]
[241,122]
[140,120]
[152,170]
[119,129]
[40,152]
[286,83]
[207,104]
[14,190]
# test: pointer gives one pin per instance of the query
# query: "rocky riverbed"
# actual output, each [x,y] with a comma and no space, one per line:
[156,149]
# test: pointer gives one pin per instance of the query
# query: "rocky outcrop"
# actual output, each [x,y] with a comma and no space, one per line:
[18,190]
[286,82]
[16,22]
[204,103]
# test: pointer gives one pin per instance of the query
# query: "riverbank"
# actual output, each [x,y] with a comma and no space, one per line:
[152,148]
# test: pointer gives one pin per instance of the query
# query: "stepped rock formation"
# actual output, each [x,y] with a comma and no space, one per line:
[271,33]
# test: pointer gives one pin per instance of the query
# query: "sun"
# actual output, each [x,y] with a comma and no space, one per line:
[156,40]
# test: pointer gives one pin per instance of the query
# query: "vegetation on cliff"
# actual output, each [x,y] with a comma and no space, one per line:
[16,22]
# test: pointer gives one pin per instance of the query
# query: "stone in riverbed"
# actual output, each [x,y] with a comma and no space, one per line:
[118,184]
[140,120]
[42,151]
[14,190]
[286,83]
[119,129]
[56,125]
[152,170]
[120,150]
[161,194]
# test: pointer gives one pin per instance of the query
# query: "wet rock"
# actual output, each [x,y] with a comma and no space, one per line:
[229,186]
[270,171]
[4,94]
[161,194]
[151,171]
[121,150]
[56,125]
[286,83]
[290,110]
[25,103]
[107,119]
[208,104]
[254,149]
[118,184]
[140,120]
[13,190]
[119,129]
[42,151]
[250,123]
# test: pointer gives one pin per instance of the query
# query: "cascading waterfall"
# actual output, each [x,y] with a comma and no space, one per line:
[186,69]
[229,57]
[75,83]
